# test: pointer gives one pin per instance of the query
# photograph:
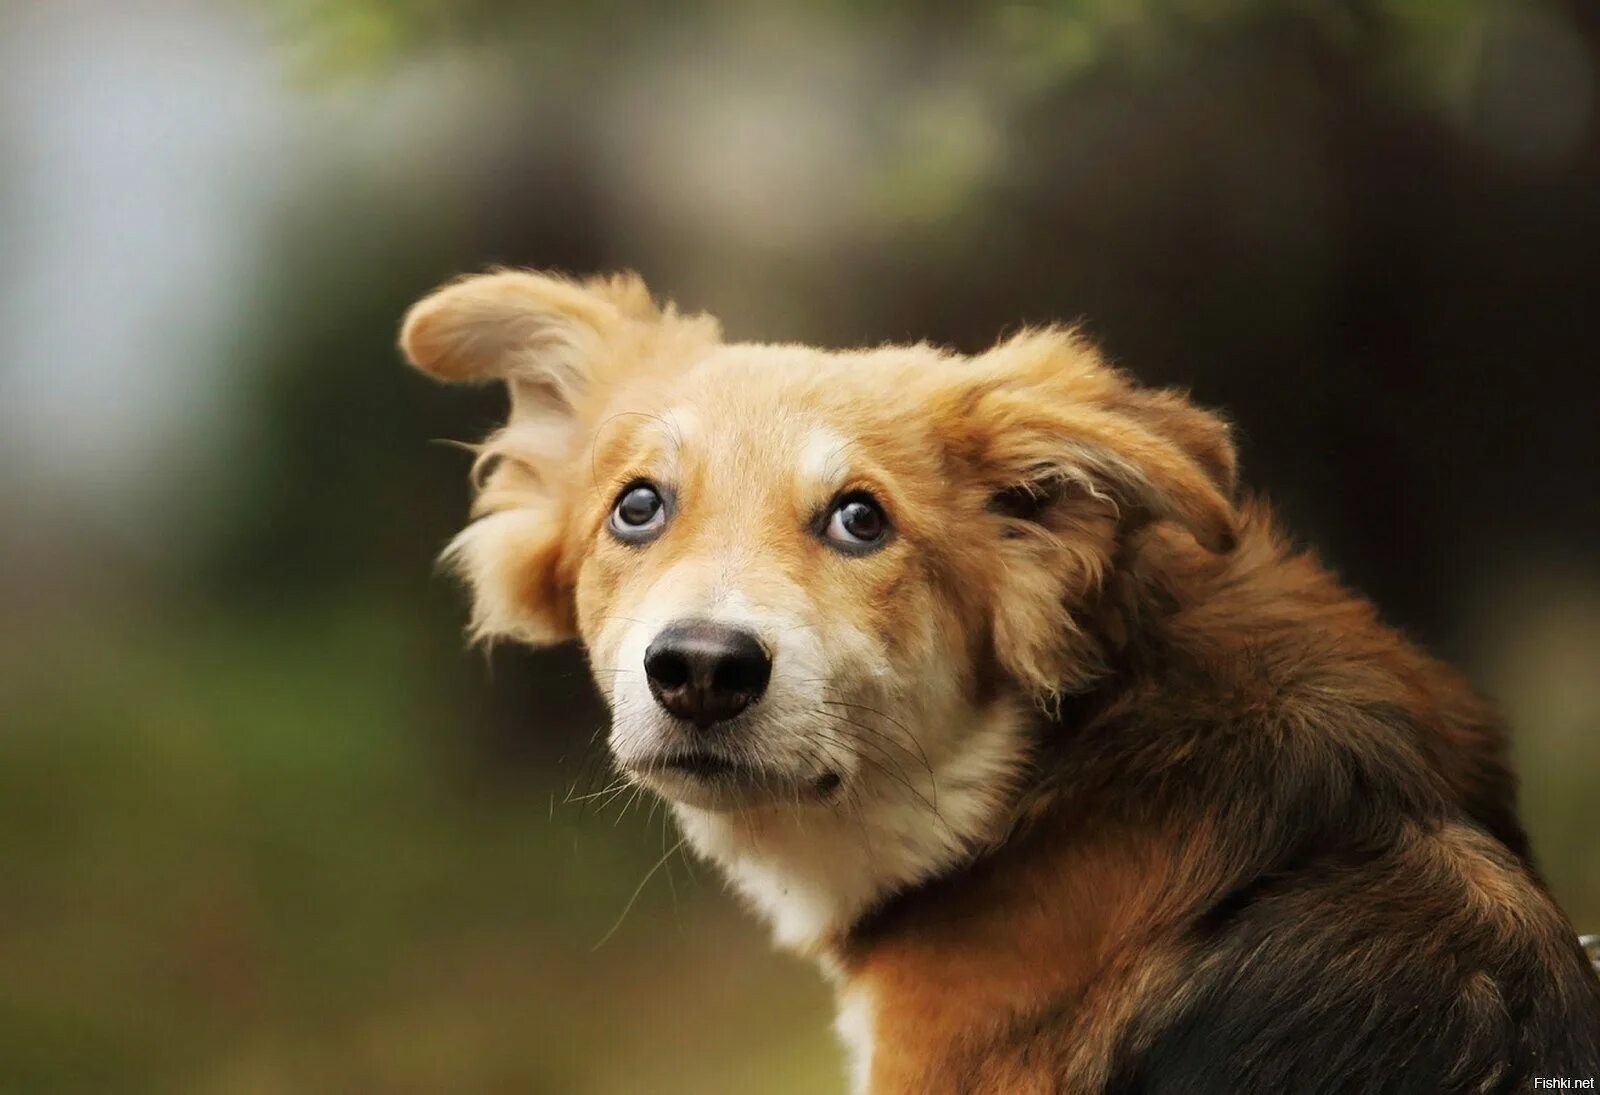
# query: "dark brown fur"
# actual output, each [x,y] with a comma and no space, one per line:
[1275,848]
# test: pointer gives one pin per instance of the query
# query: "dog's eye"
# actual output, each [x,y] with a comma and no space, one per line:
[856,523]
[639,514]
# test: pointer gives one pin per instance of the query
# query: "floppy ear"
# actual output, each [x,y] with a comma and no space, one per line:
[1072,457]
[556,344]
[1051,416]
[545,336]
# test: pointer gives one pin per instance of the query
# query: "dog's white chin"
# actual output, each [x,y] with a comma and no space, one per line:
[813,872]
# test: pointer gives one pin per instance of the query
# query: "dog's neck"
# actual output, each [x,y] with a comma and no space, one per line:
[813,873]
[864,891]
[861,887]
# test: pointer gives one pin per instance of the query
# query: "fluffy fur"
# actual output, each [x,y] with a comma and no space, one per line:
[1083,779]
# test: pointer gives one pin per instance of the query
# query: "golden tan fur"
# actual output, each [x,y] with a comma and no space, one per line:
[1080,778]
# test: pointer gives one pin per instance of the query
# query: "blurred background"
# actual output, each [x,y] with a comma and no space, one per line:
[266,825]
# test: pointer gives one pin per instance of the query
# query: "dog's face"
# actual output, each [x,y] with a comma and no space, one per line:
[802,577]
[759,585]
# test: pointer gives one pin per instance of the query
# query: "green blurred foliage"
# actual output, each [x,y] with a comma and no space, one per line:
[241,857]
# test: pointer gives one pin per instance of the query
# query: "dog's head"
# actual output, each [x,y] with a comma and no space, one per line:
[802,575]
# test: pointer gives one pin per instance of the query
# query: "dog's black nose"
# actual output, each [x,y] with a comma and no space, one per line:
[705,672]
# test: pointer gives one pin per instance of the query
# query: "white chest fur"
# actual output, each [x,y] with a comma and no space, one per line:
[853,1023]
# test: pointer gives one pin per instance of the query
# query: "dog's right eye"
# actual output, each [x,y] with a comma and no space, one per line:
[639,514]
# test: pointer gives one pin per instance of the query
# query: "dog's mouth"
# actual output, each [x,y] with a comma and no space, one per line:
[714,780]
[700,764]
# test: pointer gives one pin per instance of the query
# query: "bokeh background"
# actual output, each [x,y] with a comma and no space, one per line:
[266,826]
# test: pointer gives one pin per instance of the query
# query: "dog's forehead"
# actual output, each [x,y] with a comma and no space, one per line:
[761,378]
[795,406]
[790,425]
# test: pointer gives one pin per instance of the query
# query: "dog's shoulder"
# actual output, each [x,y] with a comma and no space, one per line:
[1365,913]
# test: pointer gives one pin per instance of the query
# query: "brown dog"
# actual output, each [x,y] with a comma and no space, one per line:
[978,684]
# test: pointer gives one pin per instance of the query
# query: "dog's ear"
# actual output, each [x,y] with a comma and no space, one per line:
[1072,457]
[1053,421]
[559,346]
[545,336]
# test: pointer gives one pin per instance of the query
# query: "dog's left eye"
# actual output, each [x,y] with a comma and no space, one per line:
[856,523]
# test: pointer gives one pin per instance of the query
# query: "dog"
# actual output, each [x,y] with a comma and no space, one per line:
[985,688]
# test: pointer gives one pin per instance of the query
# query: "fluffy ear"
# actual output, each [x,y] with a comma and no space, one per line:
[1071,455]
[556,344]
[512,561]
[542,335]
[1051,417]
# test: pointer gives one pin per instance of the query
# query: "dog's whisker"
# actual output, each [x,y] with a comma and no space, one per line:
[882,742]
[634,897]
[889,769]
[571,798]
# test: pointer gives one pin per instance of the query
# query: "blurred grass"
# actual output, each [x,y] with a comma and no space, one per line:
[243,857]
